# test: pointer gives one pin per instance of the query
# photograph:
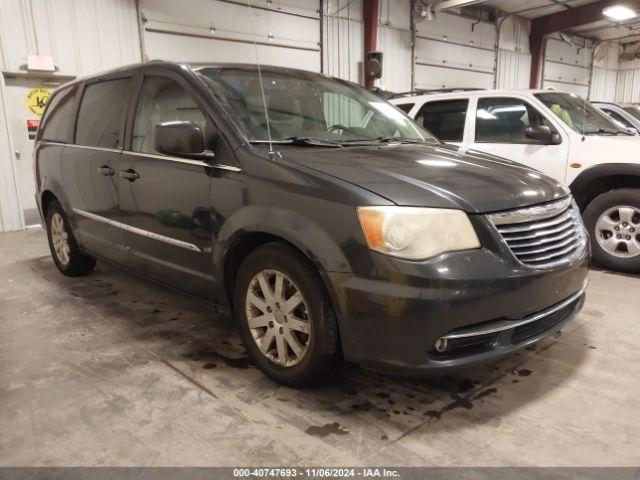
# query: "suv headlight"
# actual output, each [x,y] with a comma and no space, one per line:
[416,233]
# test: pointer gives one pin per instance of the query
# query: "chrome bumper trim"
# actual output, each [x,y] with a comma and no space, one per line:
[503,325]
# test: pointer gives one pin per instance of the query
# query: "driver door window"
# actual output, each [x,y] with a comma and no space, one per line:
[162,100]
[500,124]
[504,120]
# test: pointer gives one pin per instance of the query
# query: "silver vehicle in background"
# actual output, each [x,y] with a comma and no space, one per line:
[626,115]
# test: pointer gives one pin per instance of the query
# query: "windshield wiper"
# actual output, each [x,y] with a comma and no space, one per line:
[304,141]
[605,131]
[384,140]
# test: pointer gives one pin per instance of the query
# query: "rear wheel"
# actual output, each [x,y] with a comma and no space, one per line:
[286,318]
[64,248]
[613,221]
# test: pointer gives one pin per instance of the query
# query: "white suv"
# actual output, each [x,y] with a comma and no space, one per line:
[559,134]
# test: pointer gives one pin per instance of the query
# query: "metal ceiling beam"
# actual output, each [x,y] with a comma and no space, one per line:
[560,21]
[625,24]
[559,3]
[449,4]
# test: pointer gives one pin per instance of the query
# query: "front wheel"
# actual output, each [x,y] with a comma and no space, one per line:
[613,222]
[286,318]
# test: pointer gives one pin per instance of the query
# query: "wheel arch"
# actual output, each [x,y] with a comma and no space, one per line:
[247,242]
[46,198]
[256,226]
[602,178]
[51,189]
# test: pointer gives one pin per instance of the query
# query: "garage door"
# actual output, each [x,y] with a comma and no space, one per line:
[567,67]
[454,52]
[287,33]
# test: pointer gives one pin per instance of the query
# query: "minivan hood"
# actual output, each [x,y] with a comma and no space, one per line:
[433,175]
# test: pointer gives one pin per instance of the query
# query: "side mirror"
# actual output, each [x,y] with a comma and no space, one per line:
[542,134]
[181,139]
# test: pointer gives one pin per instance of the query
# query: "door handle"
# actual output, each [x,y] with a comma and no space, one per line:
[130,174]
[106,170]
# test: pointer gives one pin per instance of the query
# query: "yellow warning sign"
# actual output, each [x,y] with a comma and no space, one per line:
[37,99]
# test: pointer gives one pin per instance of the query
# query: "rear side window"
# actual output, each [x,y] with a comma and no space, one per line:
[101,115]
[444,119]
[405,107]
[57,121]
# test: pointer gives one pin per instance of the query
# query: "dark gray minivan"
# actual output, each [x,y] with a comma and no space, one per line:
[326,220]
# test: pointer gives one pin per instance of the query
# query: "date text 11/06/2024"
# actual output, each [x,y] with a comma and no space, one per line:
[315,473]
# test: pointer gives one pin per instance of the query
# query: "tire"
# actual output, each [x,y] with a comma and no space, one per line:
[614,213]
[64,249]
[274,321]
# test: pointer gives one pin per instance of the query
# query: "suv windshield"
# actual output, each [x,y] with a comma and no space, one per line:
[579,114]
[308,109]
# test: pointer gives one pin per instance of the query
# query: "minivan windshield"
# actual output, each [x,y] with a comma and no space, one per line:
[308,109]
[579,114]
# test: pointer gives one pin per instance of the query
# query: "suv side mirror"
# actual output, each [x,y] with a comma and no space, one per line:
[181,139]
[542,134]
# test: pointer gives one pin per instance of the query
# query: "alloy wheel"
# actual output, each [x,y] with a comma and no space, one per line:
[618,231]
[278,318]
[60,239]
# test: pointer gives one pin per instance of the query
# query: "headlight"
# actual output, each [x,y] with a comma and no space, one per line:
[416,233]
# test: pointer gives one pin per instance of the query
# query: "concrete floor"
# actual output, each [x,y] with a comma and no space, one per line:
[112,370]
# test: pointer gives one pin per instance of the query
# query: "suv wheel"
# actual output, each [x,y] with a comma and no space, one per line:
[613,221]
[286,318]
[64,248]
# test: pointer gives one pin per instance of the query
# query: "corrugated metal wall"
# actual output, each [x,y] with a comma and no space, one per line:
[605,72]
[514,59]
[82,36]
[628,82]
[342,40]
[394,40]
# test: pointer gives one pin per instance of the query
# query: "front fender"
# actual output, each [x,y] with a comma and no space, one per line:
[307,236]
[580,185]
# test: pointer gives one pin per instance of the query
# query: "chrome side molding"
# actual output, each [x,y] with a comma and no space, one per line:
[139,231]
[166,158]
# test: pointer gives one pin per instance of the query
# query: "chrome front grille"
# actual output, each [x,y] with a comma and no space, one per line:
[543,236]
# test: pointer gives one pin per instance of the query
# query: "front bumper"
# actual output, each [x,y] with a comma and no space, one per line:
[484,306]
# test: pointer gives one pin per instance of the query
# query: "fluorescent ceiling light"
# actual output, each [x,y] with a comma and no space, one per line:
[619,13]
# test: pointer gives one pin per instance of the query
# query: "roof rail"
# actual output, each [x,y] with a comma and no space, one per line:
[434,90]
